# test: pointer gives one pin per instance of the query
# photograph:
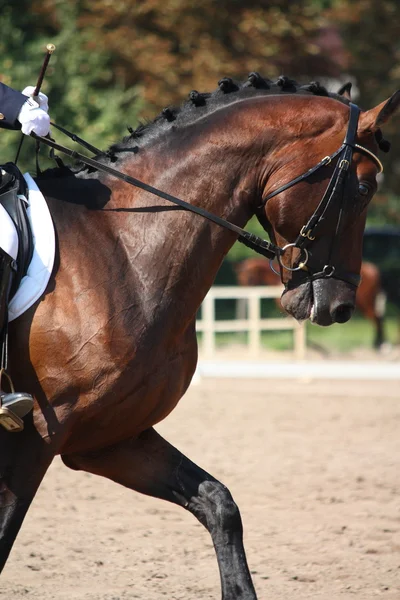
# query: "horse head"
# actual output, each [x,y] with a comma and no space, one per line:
[314,208]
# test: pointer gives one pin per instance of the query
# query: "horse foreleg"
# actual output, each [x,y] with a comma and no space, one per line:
[379,333]
[150,465]
[24,459]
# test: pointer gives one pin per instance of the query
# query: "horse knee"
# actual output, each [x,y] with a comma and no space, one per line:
[215,508]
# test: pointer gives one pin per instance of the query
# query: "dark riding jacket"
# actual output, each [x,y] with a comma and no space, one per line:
[11,103]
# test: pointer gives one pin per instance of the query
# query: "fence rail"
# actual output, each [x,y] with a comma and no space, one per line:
[253,324]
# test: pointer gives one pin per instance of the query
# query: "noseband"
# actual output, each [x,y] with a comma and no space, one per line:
[334,194]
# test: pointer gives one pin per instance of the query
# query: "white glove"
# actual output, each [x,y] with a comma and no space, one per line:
[41,99]
[33,118]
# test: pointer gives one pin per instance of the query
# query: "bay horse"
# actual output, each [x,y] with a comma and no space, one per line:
[257,271]
[111,347]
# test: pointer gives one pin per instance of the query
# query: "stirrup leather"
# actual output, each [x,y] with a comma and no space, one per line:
[8,419]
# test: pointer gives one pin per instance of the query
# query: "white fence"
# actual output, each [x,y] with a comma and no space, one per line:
[253,324]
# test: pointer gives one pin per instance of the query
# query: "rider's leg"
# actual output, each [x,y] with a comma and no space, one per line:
[19,403]
[9,236]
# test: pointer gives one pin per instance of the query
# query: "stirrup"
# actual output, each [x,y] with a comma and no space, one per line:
[10,421]
[13,406]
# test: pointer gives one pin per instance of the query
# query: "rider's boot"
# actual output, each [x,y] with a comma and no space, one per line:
[13,405]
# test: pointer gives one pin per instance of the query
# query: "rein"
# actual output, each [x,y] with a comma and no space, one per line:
[250,240]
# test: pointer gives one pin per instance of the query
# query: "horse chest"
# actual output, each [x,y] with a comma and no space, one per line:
[112,384]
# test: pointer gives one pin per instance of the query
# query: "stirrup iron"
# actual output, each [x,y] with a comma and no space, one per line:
[13,406]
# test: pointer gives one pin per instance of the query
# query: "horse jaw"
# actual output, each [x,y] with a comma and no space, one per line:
[323,302]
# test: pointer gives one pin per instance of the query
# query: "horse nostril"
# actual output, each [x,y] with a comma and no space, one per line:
[342,313]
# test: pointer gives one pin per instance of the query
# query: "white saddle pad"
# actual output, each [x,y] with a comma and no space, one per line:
[35,281]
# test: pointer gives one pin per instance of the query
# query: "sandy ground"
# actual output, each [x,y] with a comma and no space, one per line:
[313,466]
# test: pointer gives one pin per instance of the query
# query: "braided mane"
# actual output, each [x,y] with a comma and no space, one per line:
[200,104]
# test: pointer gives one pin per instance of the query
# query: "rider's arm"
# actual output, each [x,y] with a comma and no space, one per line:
[11,103]
[20,111]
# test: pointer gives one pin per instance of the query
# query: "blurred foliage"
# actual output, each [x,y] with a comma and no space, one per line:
[169,48]
[85,94]
[120,60]
[370,32]
[116,60]
[382,247]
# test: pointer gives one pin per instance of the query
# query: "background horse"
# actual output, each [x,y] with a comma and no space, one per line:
[111,347]
[370,297]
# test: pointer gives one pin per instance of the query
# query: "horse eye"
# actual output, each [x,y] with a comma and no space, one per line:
[363,189]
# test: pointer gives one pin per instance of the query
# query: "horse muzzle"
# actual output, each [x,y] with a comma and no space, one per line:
[323,301]
[333,301]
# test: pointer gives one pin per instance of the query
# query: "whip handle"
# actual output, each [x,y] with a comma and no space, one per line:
[49,51]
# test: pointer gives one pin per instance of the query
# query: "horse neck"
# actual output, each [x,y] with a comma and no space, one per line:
[219,163]
[215,169]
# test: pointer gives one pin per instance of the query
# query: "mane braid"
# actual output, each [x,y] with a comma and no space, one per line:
[200,104]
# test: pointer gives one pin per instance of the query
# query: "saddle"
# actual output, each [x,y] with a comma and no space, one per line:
[13,197]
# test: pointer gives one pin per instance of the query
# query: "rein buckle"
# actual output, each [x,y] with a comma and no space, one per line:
[328,271]
[306,234]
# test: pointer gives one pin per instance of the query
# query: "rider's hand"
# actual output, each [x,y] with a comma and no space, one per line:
[33,114]
[41,98]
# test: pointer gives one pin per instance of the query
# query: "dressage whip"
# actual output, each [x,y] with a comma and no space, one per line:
[49,51]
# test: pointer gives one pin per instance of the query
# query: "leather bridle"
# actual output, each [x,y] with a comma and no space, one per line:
[334,194]
[335,191]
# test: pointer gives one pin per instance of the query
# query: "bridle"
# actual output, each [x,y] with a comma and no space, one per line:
[334,193]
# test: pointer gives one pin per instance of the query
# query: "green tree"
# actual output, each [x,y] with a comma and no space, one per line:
[85,94]
[118,61]
[169,48]
[370,30]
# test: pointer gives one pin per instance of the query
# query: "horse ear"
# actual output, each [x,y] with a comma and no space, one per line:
[345,90]
[372,119]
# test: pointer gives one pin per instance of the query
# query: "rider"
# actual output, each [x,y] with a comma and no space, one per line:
[18,110]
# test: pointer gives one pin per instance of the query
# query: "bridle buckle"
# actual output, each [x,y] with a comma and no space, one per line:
[328,270]
[306,234]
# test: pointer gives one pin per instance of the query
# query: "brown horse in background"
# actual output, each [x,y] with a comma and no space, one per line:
[111,348]
[369,298]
